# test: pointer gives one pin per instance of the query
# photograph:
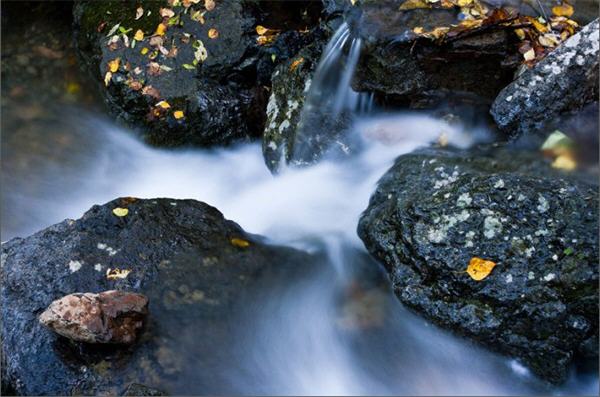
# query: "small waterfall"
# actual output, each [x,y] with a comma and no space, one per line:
[331,102]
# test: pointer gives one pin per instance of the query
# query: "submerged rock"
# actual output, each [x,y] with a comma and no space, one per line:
[566,80]
[107,317]
[194,266]
[435,210]
[193,76]
[421,72]
[136,389]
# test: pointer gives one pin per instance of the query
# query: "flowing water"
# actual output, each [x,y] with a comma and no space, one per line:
[338,330]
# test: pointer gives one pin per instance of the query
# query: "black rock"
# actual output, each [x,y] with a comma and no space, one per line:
[403,69]
[192,264]
[222,98]
[566,80]
[434,210]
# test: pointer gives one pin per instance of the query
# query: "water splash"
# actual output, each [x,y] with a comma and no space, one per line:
[331,103]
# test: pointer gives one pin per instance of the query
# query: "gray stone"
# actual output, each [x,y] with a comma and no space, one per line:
[566,80]
[436,209]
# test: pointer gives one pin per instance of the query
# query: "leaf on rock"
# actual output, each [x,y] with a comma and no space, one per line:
[296,63]
[178,114]
[166,13]
[213,33]
[115,274]
[139,35]
[113,65]
[563,10]
[529,55]
[564,162]
[161,29]
[163,105]
[119,211]
[144,51]
[151,91]
[479,268]
[238,242]
[413,5]
[139,12]
[209,5]
[107,78]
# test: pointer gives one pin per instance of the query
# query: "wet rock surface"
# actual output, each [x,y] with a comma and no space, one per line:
[290,84]
[194,266]
[436,209]
[566,80]
[419,72]
[207,65]
[107,317]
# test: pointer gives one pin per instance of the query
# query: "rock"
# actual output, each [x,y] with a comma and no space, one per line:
[566,80]
[135,389]
[436,209]
[419,72]
[107,317]
[290,84]
[194,266]
[222,98]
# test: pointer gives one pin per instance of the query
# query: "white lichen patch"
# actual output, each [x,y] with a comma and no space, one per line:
[509,278]
[521,197]
[446,180]
[98,267]
[101,246]
[464,200]
[499,184]
[272,145]
[542,204]
[529,252]
[549,277]
[283,126]
[74,266]
[531,275]
[491,226]
[439,233]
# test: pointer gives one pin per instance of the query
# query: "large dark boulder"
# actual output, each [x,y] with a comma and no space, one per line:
[564,81]
[192,264]
[218,100]
[402,68]
[435,210]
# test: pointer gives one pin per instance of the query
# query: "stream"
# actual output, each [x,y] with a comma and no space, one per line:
[337,331]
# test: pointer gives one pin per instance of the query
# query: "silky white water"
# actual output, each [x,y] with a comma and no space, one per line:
[292,339]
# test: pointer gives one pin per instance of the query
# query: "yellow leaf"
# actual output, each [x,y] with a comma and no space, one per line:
[520,33]
[261,30]
[238,242]
[529,55]
[413,4]
[113,65]
[161,29]
[540,27]
[178,114]
[107,78]
[163,104]
[213,33]
[115,274]
[144,51]
[563,10]
[296,63]
[479,268]
[565,162]
[120,211]
[139,35]
[464,3]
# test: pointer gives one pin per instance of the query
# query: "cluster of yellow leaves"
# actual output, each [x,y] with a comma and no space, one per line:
[266,35]
[238,242]
[115,274]
[562,149]
[538,36]
[479,268]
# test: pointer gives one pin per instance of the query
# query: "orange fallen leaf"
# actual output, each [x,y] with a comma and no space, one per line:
[209,5]
[479,268]
[163,104]
[161,29]
[563,10]
[178,114]
[296,63]
[213,33]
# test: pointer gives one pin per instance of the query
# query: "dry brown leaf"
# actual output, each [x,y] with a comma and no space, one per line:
[296,63]
[139,12]
[209,5]
[213,33]
[151,91]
